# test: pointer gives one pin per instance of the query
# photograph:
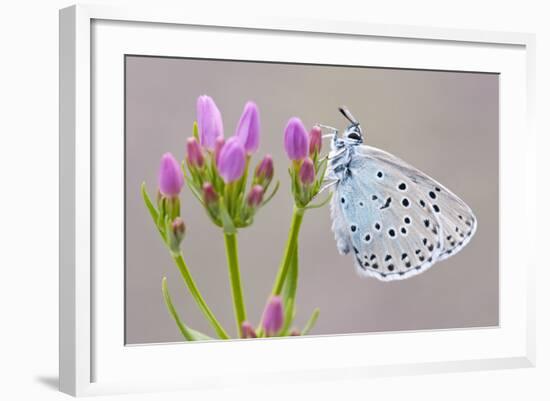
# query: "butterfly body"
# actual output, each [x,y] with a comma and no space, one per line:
[395,220]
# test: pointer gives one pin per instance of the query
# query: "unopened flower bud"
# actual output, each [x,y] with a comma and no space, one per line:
[178,227]
[248,330]
[296,139]
[176,234]
[307,172]
[209,194]
[209,121]
[315,140]
[255,196]
[232,161]
[248,129]
[170,178]
[264,171]
[195,157]
[272,320]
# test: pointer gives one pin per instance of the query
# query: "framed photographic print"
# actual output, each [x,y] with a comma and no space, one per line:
[339,199]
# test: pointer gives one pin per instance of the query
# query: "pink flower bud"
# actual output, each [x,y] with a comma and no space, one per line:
[248,330]
[176,234]
[315,140]
[272,320]
[170,178]
[264,170]
[255,196]
[248,129]
[209,194]
[178,228]
[232,160]
[195,157]
[209,120]
[307,172]
[296,139]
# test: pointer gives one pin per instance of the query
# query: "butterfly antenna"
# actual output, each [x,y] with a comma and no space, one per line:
[346,113]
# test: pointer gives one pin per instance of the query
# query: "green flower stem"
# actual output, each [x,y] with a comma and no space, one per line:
[291,247]
[235,278]
[186,274]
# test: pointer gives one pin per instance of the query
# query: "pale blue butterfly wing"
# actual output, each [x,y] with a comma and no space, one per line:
[457,220]
[396,220]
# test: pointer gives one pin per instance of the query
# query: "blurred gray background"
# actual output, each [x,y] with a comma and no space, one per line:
[444,123]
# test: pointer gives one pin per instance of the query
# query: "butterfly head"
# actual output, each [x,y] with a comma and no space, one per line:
[353,135]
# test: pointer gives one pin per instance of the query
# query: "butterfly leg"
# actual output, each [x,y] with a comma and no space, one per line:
[334,155]
[327,183]
[328,127]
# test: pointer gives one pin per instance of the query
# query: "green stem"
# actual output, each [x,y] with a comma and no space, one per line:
[289,291]
[291,245]
[184,270]
[235,278]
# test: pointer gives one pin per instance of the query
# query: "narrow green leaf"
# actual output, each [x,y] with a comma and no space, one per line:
[321,204]
[290,313]
[195,191]
[188,333]
[311,322]
[273,192]
[152,210]
[198,335]
[323,164]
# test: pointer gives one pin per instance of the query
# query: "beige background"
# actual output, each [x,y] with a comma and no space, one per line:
[444,123]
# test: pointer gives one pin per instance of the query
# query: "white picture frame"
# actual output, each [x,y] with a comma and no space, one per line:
[93,358]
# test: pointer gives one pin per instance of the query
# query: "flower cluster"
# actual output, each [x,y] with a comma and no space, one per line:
[307,169]
[217,169]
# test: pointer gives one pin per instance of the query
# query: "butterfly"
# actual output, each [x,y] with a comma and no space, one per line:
[395,219]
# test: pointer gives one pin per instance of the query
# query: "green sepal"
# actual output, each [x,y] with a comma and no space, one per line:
[196,131]
[172,207]
[311,322]
[162,212]
[228,226]
[188,333]
[241,184]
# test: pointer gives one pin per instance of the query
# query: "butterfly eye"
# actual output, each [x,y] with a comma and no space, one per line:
[354,135]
